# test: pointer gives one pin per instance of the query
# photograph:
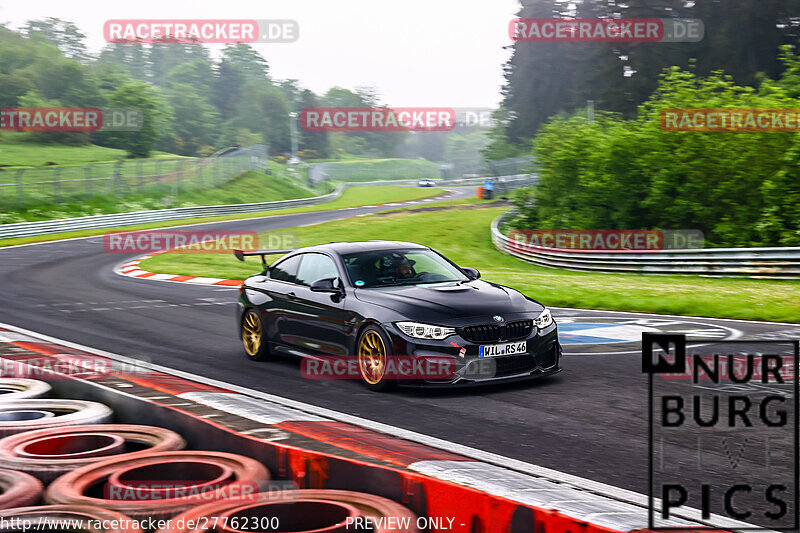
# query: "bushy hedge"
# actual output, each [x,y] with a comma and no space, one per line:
[740,189]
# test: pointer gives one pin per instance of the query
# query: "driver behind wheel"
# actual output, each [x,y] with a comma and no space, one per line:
[404,269]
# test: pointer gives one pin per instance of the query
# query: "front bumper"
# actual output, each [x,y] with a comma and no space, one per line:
[543,358]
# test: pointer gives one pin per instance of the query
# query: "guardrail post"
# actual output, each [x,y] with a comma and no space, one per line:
[57,185]
[87,187]
[18,180]
[116,177]
[178,178]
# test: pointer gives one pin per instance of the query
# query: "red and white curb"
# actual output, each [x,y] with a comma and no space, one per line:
[290,422]
[132,269]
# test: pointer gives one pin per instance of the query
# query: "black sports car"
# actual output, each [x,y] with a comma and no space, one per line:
[374,302]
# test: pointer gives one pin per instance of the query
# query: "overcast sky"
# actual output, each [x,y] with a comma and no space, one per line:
[415,52]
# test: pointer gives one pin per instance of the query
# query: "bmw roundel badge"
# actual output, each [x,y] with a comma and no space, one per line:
[497,318]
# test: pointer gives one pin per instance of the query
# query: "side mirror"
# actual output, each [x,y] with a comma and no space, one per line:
[326,285]
[472,273]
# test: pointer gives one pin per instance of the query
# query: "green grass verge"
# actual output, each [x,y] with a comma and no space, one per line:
[27,154]
[352,197]
[463,235]
[248,187]
[21,154]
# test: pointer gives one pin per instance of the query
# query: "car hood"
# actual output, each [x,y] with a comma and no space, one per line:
[446,302]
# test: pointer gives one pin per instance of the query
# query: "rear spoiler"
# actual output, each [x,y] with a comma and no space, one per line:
[241,254]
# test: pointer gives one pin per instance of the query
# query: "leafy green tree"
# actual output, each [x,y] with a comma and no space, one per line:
[547,78]
[195,120]
[74,138]
[138,95]
[227,88]
[108,77]
[373,143]
[247,61]
[34,64]
[65,35]
[465,150]
[163,57]
[275,113]
[133,57]
[198,74]
[318,141]
[263,109]
[68,81]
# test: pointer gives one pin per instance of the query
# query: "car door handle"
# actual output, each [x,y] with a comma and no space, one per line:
[291,296]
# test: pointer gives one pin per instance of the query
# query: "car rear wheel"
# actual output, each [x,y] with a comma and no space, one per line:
[253,338]
[373,355]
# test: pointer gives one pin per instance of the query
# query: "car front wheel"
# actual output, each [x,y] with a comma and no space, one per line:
[373,355]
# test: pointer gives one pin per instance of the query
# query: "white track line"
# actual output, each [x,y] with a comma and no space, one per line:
[741,320]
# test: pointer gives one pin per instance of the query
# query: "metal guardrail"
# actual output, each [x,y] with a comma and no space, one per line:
[28,229]
[367,171]
[420,169]
[772,263]
[496,167]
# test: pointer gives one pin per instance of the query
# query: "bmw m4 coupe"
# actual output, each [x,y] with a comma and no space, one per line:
[371,302]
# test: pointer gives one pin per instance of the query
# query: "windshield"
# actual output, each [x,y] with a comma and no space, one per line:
[387,268]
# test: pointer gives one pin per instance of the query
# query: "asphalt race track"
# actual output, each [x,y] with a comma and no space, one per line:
[590,421]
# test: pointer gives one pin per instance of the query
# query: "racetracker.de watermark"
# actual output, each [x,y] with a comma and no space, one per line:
[210,31]
[180,241]
[378,119]
[605,239]
[200,490]
[390,367]
[68,366]
[70,119]
[722,120]
[605,30]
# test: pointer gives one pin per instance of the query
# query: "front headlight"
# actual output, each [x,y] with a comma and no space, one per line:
[425,331]
[543,320]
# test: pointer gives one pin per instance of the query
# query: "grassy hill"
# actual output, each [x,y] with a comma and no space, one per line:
[14,154]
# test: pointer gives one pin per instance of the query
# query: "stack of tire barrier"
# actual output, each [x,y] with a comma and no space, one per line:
[65,467]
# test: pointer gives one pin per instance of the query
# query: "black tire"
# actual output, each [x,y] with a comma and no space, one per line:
[255,349]
[368,339]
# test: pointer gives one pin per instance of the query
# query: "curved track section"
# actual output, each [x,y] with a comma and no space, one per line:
[589,421]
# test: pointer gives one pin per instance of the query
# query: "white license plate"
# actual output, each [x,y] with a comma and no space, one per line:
[496,350]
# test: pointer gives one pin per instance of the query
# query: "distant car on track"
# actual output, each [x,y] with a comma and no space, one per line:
[379,299]
[426,183]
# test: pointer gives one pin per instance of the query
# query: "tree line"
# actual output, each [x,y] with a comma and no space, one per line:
[622,170]
[543,79]
[193,104]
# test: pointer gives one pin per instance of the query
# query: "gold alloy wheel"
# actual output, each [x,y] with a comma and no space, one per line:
[372,357]
[251,333]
